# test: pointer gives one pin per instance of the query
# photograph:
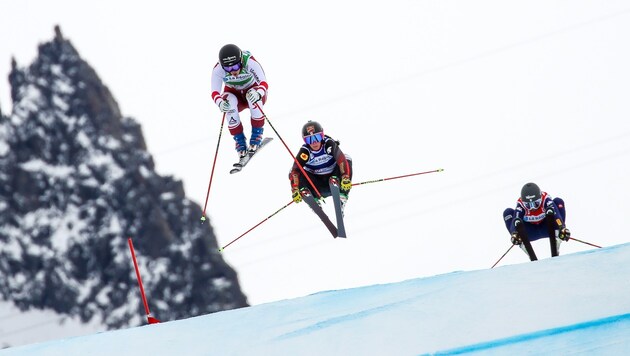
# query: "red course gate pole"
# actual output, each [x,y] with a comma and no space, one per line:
[150,318]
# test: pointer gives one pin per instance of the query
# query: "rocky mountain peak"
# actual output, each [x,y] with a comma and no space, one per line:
[76,181]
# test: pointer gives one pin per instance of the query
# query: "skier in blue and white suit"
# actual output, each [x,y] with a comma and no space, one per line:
[532,209]
[323,161]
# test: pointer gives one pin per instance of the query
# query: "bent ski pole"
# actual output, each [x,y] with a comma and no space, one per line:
[216,153]
[255,226]
[506,252]
[290,153]
[403,176]
[584,242]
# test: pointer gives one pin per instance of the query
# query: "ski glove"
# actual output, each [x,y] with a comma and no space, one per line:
[252,96]
[297,197]
[224,105]
[346,183]
[516,240]
[565,234]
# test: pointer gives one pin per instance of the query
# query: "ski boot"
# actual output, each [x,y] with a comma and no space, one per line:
[241,146]
[256,139]
[333,180]
[344,199]
[305,191]
[343,195]
[516,240]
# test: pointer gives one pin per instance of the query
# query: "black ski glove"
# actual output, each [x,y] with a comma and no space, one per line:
[516,240]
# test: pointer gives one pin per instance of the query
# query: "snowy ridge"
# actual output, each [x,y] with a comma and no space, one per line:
[576,303]
[76,180]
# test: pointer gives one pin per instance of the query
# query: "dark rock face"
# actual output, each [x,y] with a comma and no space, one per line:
[75,182]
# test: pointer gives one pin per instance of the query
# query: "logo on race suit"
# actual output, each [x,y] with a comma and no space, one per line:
[304,156]
[253,72]
[240,76]
[320,160]
[232,121]
[508,217]
[534,218]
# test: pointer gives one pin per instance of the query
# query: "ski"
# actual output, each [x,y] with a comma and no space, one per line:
[238,166]
[528,245]
[310,200]
[335,192]
[554,244]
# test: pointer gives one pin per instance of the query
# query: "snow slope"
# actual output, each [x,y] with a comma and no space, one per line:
[479,72]
[578,303]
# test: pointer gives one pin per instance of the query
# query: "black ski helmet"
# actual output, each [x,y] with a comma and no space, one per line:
[311,127]
[229,55]
[530,193]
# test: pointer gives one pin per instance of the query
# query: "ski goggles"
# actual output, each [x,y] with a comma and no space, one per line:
[533,205]
[232,68]
[316,137]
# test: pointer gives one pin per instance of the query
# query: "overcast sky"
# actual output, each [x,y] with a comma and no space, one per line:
[498,93]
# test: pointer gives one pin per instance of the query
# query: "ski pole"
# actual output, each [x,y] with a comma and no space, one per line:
[506,252]
[372,181]
[290,153]
[403,176]
[584,242]
[216,153]
[255,226]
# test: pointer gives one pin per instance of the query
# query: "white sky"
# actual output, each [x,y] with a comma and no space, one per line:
[498,93]
[576,304]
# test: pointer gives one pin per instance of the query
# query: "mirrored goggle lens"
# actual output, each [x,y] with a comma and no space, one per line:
[316,137]
[232,68]
[533,204]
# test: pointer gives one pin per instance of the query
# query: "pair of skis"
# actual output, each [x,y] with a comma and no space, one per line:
[553,243]
[242,162]
[335,231]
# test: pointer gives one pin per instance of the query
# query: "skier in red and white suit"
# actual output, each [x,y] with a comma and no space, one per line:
[244,85]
